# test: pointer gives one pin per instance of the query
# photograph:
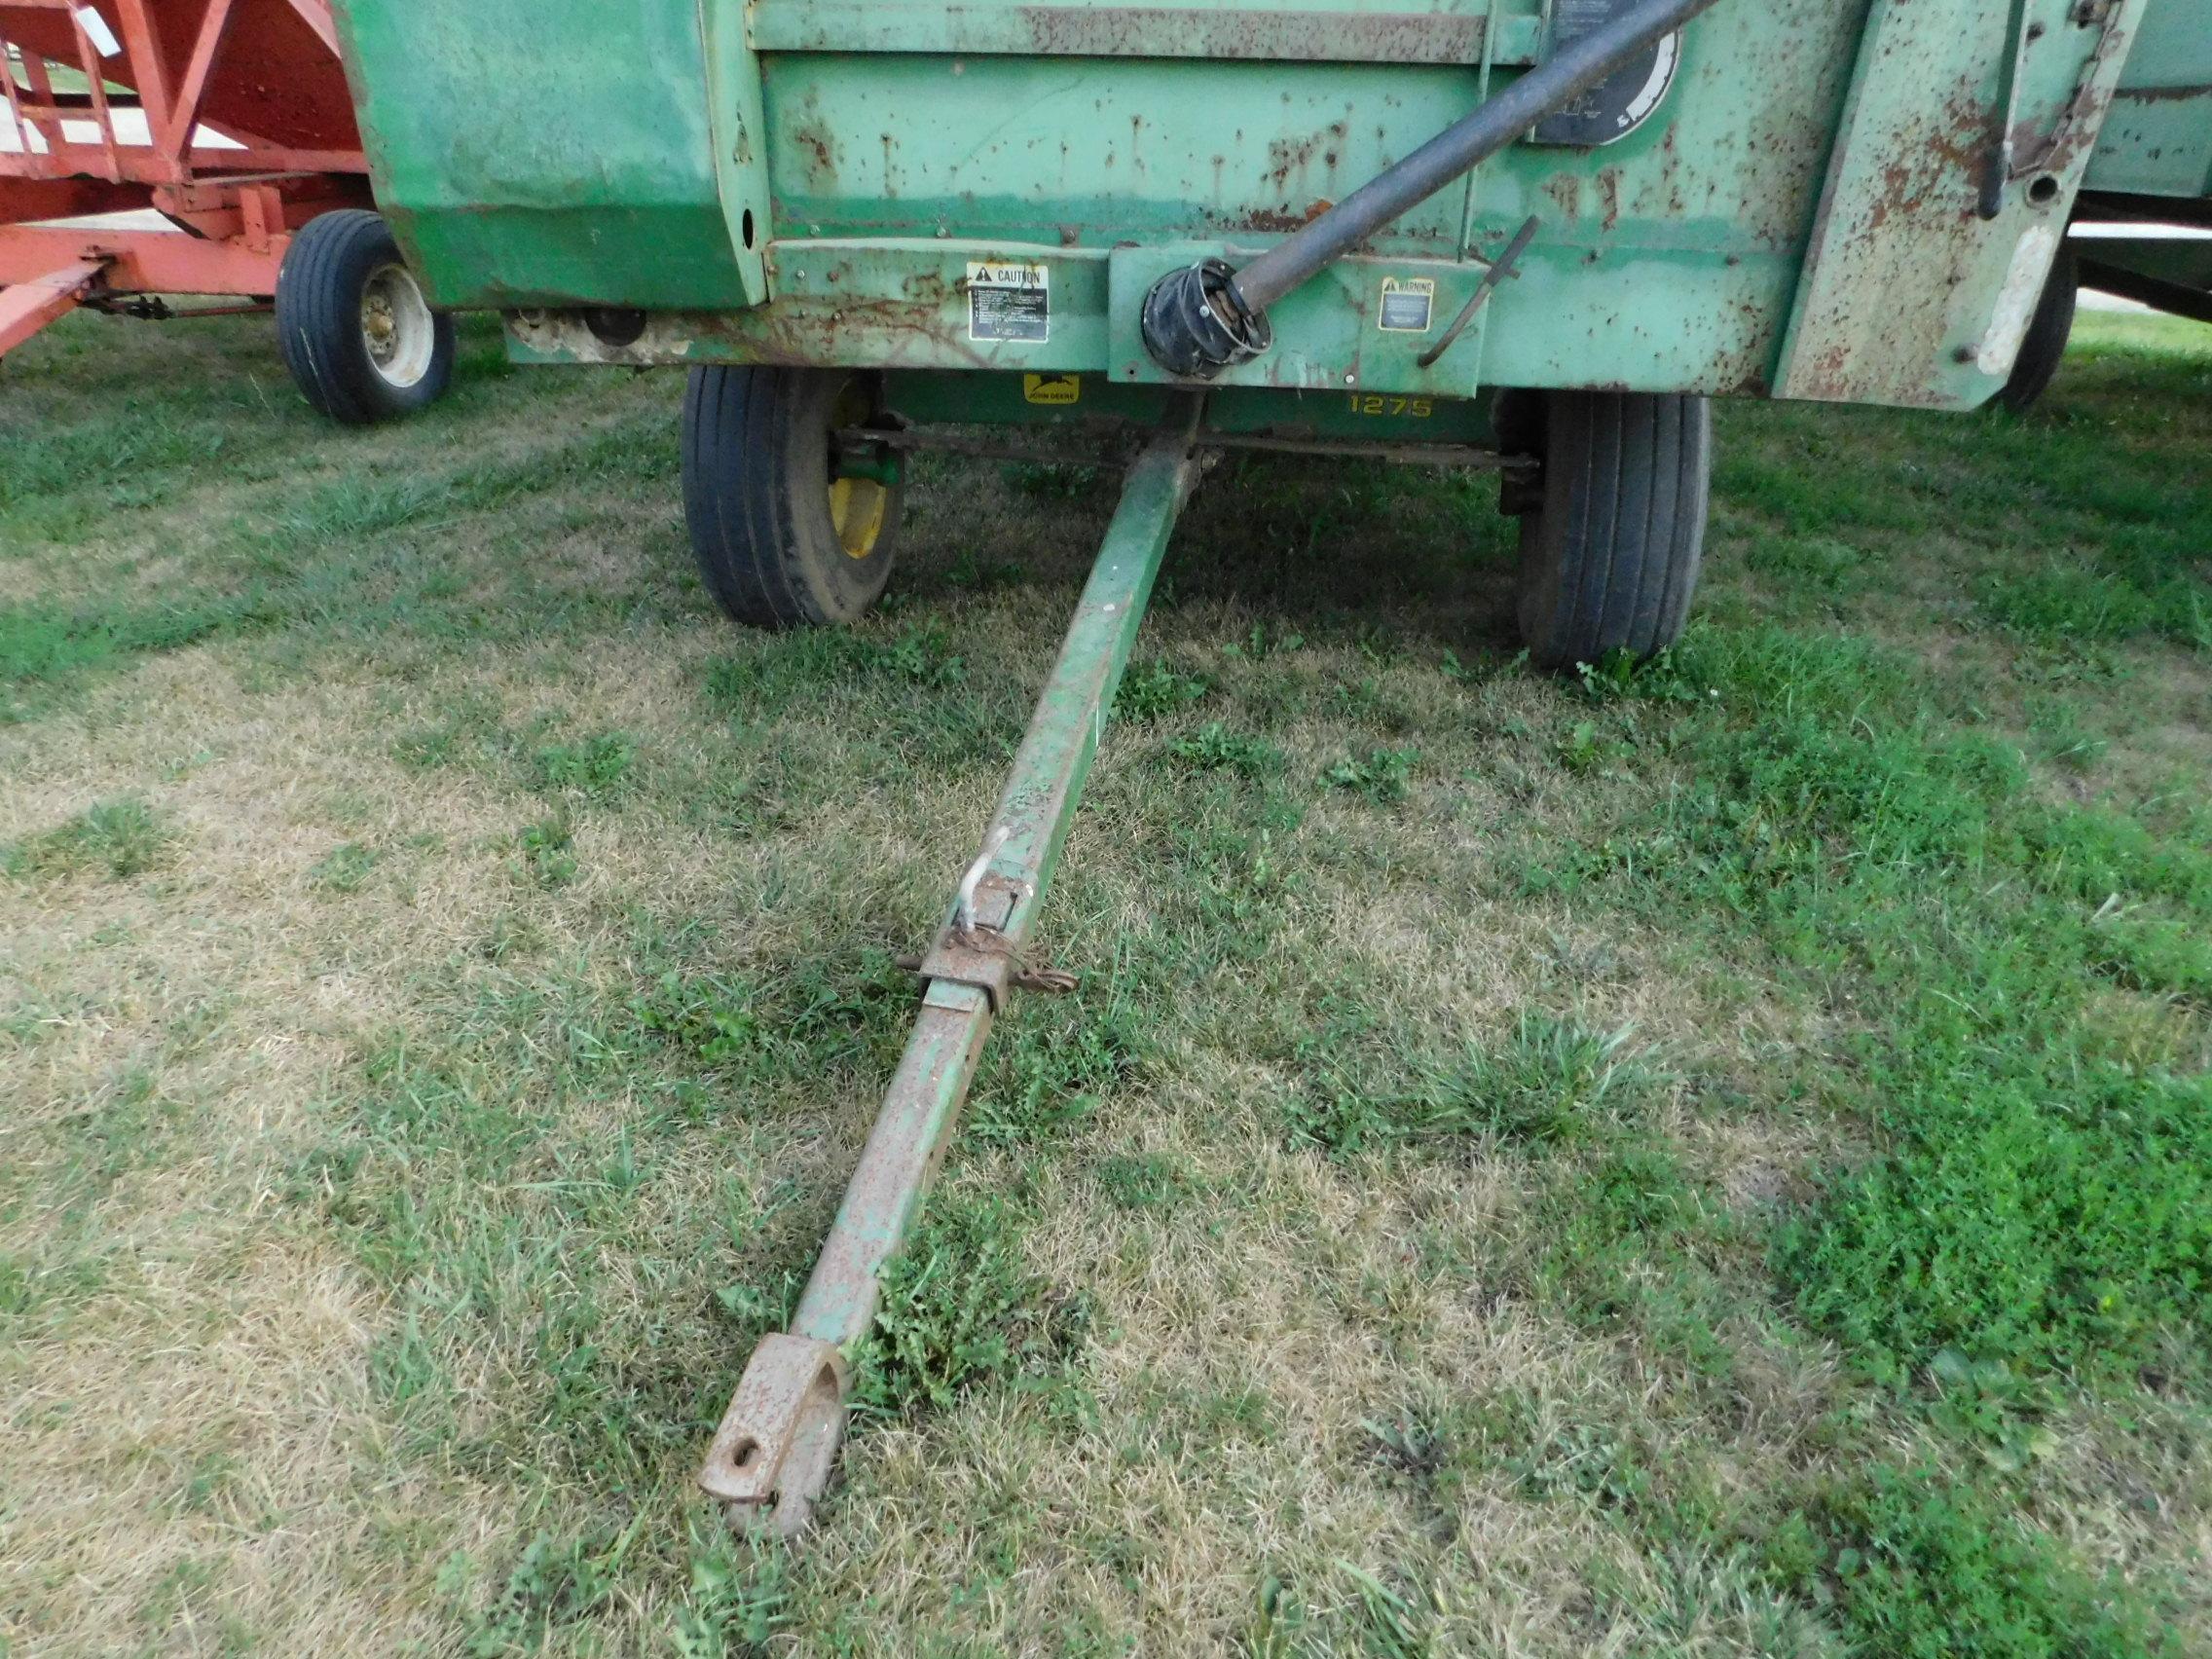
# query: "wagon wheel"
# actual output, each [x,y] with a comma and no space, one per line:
[790,524]
[1614,531]
[355,329]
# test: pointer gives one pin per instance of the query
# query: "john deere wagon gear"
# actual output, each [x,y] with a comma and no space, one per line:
[1536,235]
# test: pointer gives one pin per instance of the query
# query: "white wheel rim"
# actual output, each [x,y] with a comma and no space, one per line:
[396,326]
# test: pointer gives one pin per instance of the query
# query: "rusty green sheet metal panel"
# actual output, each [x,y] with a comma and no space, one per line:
[865,303]
[773,1450]
[1667,257]
[1913,292]
[2157,138]
[1665,260]
[813,181]
[529,154]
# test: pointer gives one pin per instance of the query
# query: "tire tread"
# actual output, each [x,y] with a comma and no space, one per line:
[743,463]
[318,331]
[1610,560]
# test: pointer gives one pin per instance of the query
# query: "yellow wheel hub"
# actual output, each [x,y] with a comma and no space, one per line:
[858,507]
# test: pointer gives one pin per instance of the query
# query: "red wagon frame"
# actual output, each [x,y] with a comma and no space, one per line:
[237,206]
[232,120]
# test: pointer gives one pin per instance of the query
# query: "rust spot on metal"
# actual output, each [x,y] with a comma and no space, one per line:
[2163,94]
[804,330]
[820,149]
[1140,32]
[781,1430]
[1272,220]
[1287,155]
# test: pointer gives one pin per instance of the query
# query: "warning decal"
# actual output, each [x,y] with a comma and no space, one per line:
[1409,305]
[1008,301]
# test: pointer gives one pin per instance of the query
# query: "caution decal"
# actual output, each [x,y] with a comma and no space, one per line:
[1009,301]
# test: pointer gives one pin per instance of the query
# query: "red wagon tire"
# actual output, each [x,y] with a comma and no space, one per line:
[355,330]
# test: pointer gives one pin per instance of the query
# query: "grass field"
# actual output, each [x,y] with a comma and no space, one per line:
[1704,1162]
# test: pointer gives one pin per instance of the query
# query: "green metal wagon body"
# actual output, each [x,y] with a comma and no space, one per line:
[2157,140]
[2150,176]
[838,182]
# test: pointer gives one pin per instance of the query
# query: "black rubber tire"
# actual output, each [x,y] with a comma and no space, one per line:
[757,494]
[2048,330]
[321,288]
[1611,540]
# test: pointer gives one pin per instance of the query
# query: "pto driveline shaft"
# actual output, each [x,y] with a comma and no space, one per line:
[1200,320]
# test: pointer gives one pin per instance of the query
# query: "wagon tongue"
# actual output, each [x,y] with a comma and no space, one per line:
[1207,317]
[773,1453]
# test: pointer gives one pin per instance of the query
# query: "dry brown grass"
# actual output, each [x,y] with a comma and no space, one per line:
[346,1000]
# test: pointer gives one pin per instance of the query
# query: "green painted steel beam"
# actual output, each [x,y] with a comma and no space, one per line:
[1023,846]
[1077,401]
[772,1453]
[1656,319]
[1330,31]
[2184,261]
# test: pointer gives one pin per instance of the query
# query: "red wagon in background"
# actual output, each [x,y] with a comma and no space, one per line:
[230,120]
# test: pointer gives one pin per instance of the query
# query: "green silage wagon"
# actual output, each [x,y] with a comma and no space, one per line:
[1529,235]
